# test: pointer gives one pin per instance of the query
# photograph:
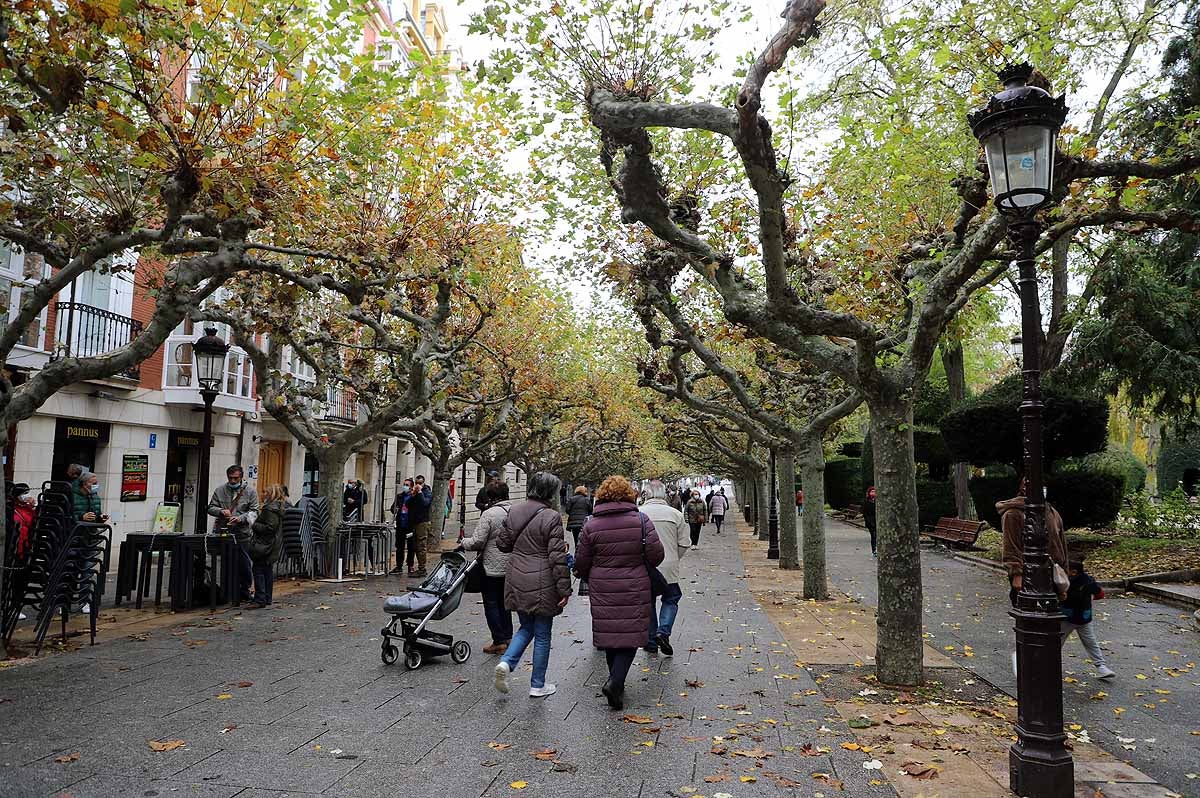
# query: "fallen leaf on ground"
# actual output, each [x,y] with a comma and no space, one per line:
[165,745]
[900,720]
[717,778]
[861,723]
[694,683]
[489,763]
[920,770]
[495,746]
[851,746]
[228,728]
[65,758]
[637,719]
[825,778]
[808,750]
[546,754]
[224,696]
[748,779]
[753,753]
[519,785]
[245,684]
[563,767]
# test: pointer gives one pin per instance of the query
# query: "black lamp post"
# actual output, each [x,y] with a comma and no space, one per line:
[1018,128]
[464,428]
[209,352]
[773,514]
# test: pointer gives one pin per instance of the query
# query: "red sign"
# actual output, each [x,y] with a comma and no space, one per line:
[135,474]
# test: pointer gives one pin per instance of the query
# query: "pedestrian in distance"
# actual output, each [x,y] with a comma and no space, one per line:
[234,507]
[266,542]
[354,502]
[675,499]
[696,512]
[537,583]
[869,518]
[718,505]
[676,540]
[424,539]
[1078,608]
[481,498]
[617,548]
[404,533]
[485,539]
[578,510]
[800,501]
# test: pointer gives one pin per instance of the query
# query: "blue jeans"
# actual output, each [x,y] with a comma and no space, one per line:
[535,629]
[264,582]
[664,621]
[499,620]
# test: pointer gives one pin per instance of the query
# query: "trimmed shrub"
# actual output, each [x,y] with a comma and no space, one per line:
[1180,454]
[934,500]
[843,482]
[987,428]
[851,449]
[1086,498]
[933,402]
[1114,461]
[986,491]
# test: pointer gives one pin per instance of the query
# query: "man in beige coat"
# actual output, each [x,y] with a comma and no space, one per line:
[674,533]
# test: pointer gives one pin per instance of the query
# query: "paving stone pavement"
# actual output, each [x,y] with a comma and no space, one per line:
[1147,716]
[294,701]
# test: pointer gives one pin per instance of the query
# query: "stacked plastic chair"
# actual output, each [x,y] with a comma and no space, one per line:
[314,530]
[30,579]
[77,577]
[292,551]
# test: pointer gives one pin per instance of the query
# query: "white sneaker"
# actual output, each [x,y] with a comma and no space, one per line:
[86,609]
[502,672]
[22,616]
[1107,672]
[542,692]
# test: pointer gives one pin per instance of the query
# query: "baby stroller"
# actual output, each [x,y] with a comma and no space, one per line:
[437,597]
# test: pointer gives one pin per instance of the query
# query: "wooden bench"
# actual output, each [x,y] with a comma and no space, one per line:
[956,531]
[852,514]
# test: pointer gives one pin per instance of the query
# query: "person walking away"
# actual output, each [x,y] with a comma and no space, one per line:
[673,532]
[1012,551]
[485,539]
[717,507]
[578,509]
[1078,608]
[424,541]
[266,542]
[697,515]
[234,508]
[614,560]
[399,511]
[869,518]
[537,583]
[481,498]
[800,501]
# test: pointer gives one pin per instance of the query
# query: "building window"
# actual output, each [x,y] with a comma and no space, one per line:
[19,273]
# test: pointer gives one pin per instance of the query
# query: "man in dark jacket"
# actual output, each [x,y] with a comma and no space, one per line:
[481,499]
[419,501]
[354,502]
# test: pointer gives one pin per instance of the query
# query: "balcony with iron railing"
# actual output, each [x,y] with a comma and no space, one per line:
[87,331]
[341,406]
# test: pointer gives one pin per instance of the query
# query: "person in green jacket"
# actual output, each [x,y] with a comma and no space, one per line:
[86,500]
[266,541]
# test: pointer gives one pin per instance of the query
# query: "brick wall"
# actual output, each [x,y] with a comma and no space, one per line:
[147,275]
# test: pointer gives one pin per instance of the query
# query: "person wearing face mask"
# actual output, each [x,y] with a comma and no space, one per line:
[234,508]
[86,499]
[24,516]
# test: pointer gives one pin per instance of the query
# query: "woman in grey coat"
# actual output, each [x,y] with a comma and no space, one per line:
[485,539]
[538,583]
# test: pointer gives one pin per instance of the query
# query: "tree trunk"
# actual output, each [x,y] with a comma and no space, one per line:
[789,544]
[332,462]
[441,489]
[763,510]
[3,533]
[812,480]
[956,378]
[898,653]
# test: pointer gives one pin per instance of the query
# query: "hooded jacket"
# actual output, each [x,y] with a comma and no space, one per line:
[485,539]
[610,558]
[537,577]
[1012,524]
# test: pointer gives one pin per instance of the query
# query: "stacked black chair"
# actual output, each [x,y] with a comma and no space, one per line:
[292,551]
[315,530]
[31,578]
[77,577]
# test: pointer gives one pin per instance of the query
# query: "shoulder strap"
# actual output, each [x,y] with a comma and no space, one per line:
[642,517]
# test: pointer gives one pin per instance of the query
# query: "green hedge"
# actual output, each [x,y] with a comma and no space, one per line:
[1083,498]
[934,500]
[843,482]
[1114,461]
[987,428]
[1179,453]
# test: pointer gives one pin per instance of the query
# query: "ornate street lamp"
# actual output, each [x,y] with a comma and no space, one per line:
[465,424]
[773,515]
[209,352]
[1018,129]
[1014,348]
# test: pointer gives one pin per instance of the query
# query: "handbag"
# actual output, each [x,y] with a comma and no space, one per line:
[658,582]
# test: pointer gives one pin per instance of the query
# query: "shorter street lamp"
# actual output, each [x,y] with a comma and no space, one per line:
[209,352]
[465,424]
[1014,348]
[1018,129]
[773,515]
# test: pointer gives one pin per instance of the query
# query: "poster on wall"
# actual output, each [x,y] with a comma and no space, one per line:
[135,472]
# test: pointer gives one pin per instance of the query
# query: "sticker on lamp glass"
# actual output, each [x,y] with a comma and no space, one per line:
[1027,162]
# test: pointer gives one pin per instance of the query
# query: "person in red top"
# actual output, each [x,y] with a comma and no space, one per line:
[24,516]
[799,501]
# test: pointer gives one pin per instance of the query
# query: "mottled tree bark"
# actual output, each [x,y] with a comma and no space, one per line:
[763,513]
[789,544]
[812,480]
[956,379]
[898,652]
[441,489]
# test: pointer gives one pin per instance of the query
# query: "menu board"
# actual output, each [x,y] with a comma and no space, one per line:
[135,474]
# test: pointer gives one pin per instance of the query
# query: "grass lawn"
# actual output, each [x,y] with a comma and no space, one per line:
[1116,556]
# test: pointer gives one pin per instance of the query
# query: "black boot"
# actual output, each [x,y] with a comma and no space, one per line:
[664,645]
[615,698]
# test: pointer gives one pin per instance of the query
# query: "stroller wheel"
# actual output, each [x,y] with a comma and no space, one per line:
[389,654]
[460,652]
[412,658]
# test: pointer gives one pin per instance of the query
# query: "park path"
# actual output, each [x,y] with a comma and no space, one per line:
[1147,716]
[294,701]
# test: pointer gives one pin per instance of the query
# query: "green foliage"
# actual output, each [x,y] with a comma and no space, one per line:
[935,499]
[1179,454]
[929,447]
[843,482]
[932,403]
[1114,460]
[987,428]
[1089,499]
[851,449]
[1173,517]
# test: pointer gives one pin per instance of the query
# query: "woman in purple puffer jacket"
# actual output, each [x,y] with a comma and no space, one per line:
[610,557]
